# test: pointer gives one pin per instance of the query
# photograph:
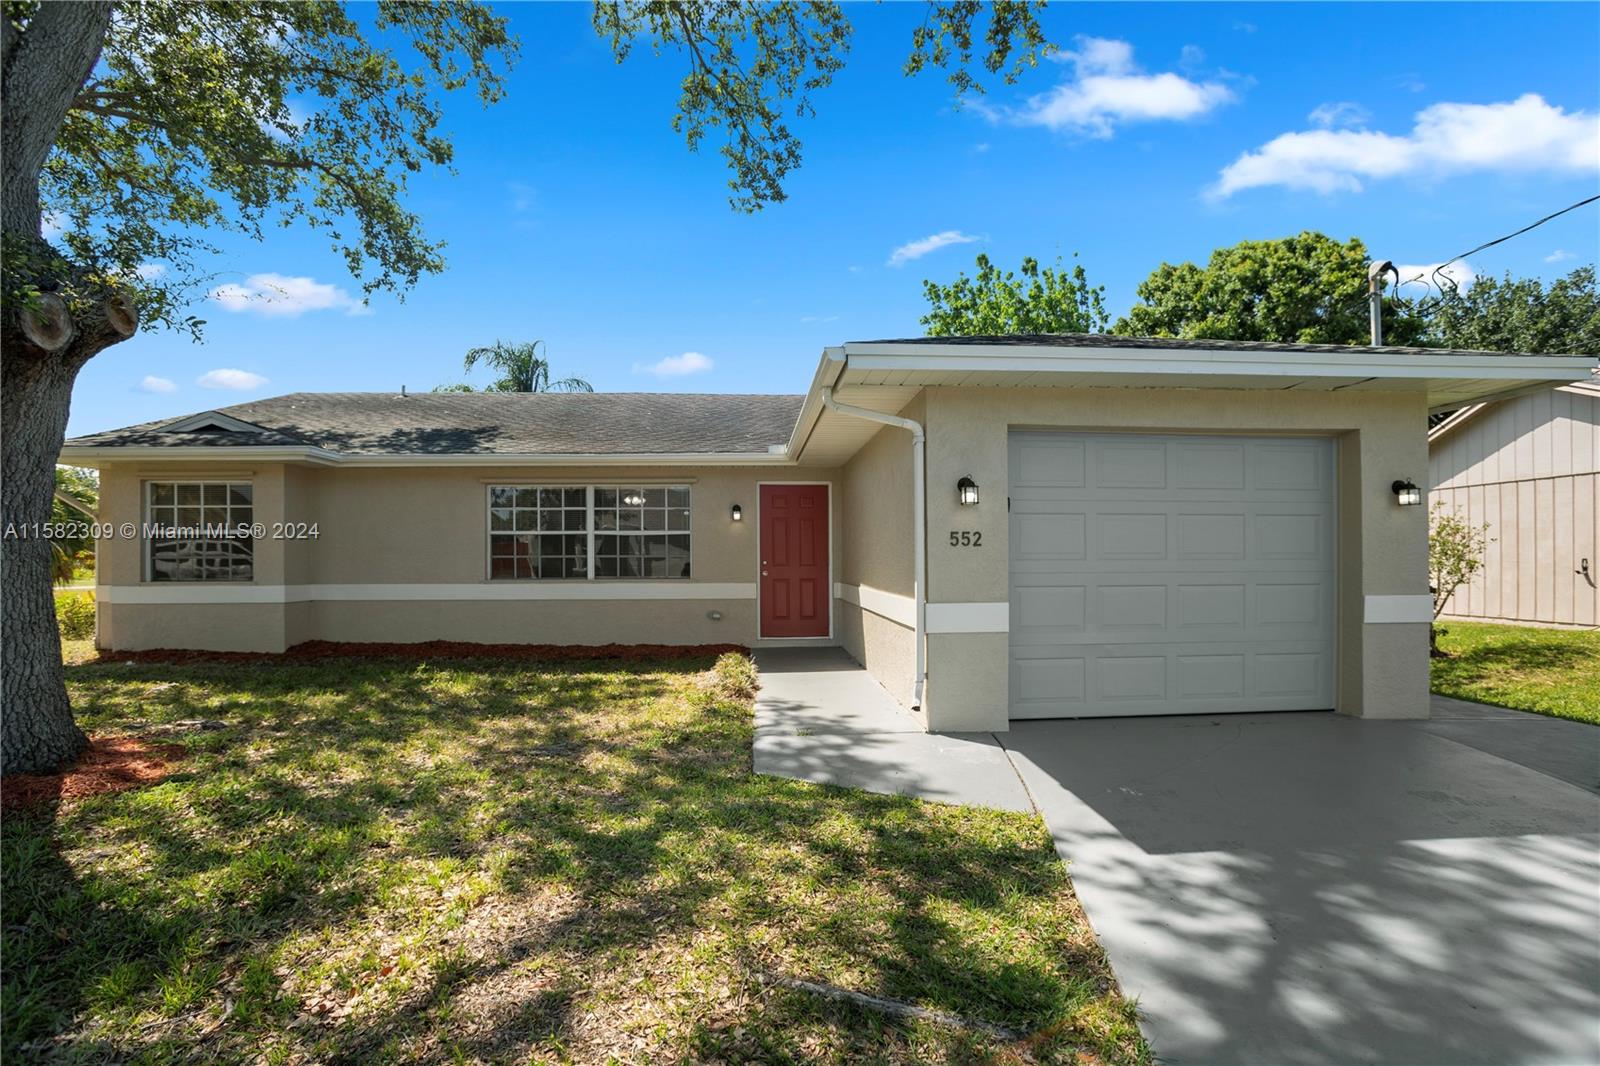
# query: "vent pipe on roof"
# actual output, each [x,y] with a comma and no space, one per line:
[1375,274]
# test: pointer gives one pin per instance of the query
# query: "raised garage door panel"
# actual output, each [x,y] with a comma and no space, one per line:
[1170,574]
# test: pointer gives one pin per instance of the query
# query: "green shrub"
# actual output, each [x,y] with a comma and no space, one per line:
[734,676]
[75,615]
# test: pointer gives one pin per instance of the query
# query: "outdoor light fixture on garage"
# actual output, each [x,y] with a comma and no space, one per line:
[1406,494]
[967,492]
[737,514]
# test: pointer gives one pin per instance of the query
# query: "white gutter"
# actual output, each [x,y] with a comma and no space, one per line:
[919,513]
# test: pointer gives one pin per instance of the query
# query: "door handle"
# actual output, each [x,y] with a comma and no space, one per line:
[763,573]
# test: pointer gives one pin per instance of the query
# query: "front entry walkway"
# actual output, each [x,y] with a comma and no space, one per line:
[822,718]
[1289,888]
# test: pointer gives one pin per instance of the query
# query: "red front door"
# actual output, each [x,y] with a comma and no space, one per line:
[794,561]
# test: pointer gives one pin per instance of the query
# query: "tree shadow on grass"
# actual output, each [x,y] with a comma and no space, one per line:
[413,861]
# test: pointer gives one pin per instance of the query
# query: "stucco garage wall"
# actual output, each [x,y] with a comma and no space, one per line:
[875,613]
[385,527]
[1382,547]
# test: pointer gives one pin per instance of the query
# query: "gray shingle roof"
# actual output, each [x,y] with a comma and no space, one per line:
[1106,340]
[489,423]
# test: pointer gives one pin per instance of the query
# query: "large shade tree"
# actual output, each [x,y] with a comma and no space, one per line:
[142,129]
[1519,315]
[1306,289]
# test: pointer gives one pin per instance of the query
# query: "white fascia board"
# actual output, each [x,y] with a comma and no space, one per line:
[90,456]
[1052,359]
[829,368]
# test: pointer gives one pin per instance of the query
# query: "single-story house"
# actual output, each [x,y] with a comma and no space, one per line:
[1529,469]
[996,527]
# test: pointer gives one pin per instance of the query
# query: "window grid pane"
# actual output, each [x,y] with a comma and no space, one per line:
[642,531]
[633,531]
[538,532]
[200,531]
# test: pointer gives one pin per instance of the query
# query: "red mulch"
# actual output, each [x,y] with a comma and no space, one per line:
[313,650]
[109,764]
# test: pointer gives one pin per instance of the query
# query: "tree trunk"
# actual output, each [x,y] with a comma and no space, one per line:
[44,59]
[37,732]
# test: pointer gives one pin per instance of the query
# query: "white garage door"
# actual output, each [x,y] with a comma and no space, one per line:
[1170,574]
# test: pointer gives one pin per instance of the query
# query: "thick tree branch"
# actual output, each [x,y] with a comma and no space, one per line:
[44,68]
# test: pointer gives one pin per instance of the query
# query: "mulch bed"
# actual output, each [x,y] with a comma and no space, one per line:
[314,650]
[109,764]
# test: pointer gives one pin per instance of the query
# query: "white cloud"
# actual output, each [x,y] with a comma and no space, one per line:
[1341,113]
[817,319]
[277,295]
[676,366]
[52,226]
[150,271]
[228,378]
[151,383]
[925,245]
[1418,279]
[1560,255]
[980,148]
[1108,89]
[1526,134]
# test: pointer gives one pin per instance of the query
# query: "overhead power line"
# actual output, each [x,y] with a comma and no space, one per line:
[1438,270]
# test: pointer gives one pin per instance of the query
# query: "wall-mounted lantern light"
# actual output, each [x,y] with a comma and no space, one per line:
[737,514]
[1406,494]
[967,492]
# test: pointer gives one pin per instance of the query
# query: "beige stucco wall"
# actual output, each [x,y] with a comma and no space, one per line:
[394,526]
[1383,547]
[876,554]
[426,526]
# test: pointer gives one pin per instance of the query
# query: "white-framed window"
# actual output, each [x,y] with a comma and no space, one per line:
[199,530]
[592,531]
[537,532]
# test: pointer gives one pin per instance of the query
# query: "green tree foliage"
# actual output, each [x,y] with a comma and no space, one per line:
[83,486]
[1309,289]
[1051,300]
[751,66]
[521,369]
[1520,315]
[235,116]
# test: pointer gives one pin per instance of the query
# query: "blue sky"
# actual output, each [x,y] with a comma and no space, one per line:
[578,217]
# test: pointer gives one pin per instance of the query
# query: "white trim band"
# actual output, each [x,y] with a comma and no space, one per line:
[901,610]
[1399,609]
[969,617]
[602,590]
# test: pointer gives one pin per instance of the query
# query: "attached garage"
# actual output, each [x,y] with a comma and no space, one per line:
[1170,574]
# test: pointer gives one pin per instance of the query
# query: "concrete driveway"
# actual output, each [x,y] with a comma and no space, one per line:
[1310,888]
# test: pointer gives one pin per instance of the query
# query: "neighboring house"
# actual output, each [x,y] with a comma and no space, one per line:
[997,528]
[1529,468]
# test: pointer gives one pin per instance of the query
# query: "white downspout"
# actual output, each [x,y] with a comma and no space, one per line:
[919,509]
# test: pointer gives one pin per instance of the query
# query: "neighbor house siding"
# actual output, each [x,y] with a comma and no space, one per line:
[402,556]
[875,609]
[1529,469]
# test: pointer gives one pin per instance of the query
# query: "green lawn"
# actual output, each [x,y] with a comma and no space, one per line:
[1548,671]
[489,861]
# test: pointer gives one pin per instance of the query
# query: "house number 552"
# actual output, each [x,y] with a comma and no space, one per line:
[966,538]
